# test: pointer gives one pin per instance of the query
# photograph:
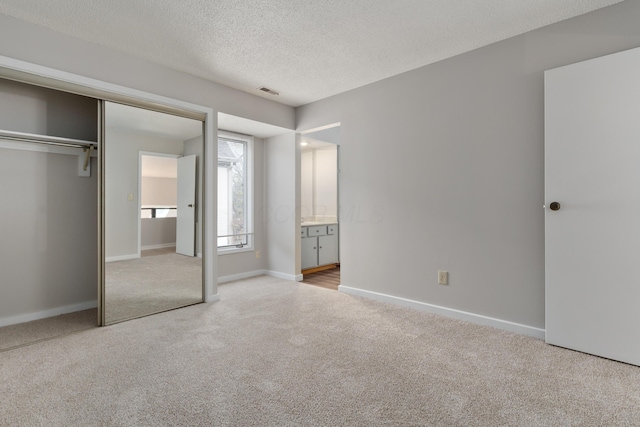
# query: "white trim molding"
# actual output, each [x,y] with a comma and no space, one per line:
[447,312]
[160,246]
[49,313]
[121,257]
[240,276]
[249,274]
[285,276]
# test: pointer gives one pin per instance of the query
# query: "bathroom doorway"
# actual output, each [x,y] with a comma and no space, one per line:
[319,203]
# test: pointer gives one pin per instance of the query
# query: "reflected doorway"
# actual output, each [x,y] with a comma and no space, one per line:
[158,183]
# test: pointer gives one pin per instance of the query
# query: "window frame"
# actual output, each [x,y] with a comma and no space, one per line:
[248,140]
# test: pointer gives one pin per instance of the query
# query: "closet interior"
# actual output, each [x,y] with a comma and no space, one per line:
[53,254]
[48,194]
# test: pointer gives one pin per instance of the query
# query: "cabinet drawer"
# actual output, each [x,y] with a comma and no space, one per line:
[319,230]
[332,229]
[303,232]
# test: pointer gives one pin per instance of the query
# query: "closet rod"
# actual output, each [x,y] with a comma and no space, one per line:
[45,139]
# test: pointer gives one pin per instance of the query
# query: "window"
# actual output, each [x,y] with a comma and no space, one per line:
[157,212]
[234,192]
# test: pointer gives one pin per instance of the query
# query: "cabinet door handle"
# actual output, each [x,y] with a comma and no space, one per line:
[320,247]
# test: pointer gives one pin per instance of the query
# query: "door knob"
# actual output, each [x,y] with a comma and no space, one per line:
[191,205]
[554,206]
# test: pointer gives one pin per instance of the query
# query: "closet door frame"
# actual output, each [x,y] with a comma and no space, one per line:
[38,75]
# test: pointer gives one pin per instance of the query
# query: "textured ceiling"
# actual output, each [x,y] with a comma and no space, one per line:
[305,49]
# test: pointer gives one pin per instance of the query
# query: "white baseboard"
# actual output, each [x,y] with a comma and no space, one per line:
[212,298]
[285,276]
[22,318]
[240,276]
[448,312]
[160,246]
[121,257]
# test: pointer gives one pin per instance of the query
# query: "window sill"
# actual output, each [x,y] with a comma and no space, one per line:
[228,251]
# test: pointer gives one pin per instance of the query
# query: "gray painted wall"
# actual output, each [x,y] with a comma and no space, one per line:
[42,111]
[442,168]
[157,231]
[48,241]
[282,209]
[330,135]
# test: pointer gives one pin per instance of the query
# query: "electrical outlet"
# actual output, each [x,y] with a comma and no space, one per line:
[257,254]
[443,277]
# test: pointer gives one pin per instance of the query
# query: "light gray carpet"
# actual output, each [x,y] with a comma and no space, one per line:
[44,329]
[151,284]
[278,353]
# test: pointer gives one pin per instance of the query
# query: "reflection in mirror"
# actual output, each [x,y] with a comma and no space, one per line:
[152,210]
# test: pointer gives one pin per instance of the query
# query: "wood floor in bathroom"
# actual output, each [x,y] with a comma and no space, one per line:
[329,279]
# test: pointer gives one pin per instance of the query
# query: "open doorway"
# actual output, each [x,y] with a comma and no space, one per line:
[167,214]
[158,203]
[319,203]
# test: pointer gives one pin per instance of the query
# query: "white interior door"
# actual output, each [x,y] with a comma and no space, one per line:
[186,210]
[592,243]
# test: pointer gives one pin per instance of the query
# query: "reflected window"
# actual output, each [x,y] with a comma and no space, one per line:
[158,212]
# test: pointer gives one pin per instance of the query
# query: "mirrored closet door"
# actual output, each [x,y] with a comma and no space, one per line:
[152,183]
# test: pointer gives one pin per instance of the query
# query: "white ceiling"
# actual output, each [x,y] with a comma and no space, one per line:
[305,49]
